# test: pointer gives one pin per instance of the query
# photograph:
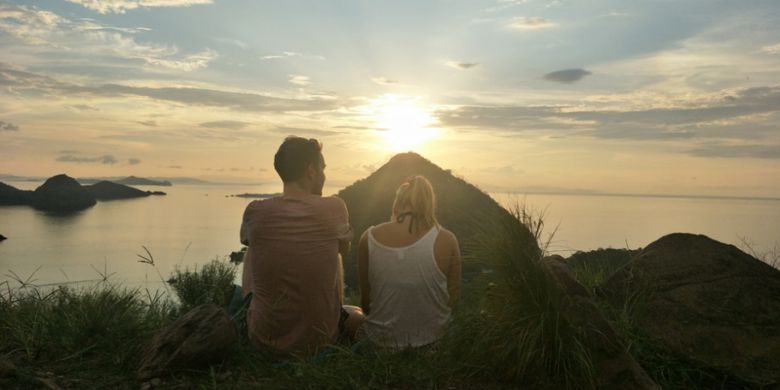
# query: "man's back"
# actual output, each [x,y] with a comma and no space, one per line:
[294,271]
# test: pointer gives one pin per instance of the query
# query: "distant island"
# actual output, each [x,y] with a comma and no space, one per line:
[63,194]
[140,181]
[254,196]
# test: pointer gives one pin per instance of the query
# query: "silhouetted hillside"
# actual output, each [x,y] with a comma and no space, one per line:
[106,190]
[10,196]
[461,207]
[62,193]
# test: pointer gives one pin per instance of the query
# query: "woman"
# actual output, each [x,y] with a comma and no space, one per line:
[409,270]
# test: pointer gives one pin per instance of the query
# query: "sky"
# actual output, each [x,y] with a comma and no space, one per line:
[652,97]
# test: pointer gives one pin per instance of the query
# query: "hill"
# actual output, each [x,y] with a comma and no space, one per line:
[140,181]
[62,193]
[461,207]
[106,190]
[10,196]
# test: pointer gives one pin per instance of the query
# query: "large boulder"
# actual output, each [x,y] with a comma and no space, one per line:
[62,194]
[204,335]
[616,369]
[106,190]
[705,300]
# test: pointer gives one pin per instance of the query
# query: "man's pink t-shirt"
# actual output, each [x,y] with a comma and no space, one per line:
[294,271]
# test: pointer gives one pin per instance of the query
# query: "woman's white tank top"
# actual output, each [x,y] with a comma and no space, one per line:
[409,297]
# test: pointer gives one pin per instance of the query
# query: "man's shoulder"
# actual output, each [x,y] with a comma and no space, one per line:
[262,204]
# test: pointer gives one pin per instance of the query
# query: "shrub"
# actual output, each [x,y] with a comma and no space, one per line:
[213,283]
[518,334]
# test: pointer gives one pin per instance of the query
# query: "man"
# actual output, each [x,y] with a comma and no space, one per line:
[293,266]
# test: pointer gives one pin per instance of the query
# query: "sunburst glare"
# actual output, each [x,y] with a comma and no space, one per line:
[405,124]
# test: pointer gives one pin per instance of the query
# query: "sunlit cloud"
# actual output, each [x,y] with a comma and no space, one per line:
[738,151]
[567,76]
[532,23]
[504,4]
[149,123]
[106,159]
[771,49]
[31,83]
[7,126]
[299,131]
[299,80]
[723,116]
[122,6]
[383,81]
[460,65]
[291,54]
[32,26]
[228,124]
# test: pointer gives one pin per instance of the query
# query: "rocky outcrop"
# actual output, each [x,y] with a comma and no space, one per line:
[11,196]
[615,368]
[62,194]
[705,300]
[106,190]
[203,336]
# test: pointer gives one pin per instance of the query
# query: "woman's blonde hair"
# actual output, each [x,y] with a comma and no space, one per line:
[416,195]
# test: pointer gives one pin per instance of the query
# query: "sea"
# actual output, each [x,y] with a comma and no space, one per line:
[194,224]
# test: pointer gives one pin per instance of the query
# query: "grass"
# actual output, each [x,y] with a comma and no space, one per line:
[213,283]
[509,331]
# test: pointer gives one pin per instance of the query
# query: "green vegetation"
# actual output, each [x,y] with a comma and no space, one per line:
[508,331]
[212,284]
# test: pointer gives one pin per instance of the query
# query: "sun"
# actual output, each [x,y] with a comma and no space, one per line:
[403,122]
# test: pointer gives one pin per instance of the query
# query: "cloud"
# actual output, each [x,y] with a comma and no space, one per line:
[771,49]
[298,79]
[34,84]
[304,131]
[533,23]
[567,76]
[8,126]
[738,151]
[133,161]
[237,125]
[83,107]
[745,115]
[383,81]
[291,54]
[105,159]
[87,37]
[461,65]
[121,6]
[148,123]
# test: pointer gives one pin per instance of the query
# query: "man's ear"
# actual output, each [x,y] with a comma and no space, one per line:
[311,171]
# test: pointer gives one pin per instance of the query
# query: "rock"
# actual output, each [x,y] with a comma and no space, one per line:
[204,335]
[7,368]
[2,237]
[106,190]
[11,196]
[708,301]
[615,368]
[62,193]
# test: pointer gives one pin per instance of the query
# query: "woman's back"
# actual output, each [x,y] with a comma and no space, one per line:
[409,293]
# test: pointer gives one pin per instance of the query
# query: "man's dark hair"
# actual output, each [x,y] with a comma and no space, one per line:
[294,156]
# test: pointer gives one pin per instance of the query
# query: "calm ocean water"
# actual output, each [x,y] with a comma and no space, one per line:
[194,224]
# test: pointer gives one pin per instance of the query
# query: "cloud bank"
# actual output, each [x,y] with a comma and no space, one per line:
[567,76]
